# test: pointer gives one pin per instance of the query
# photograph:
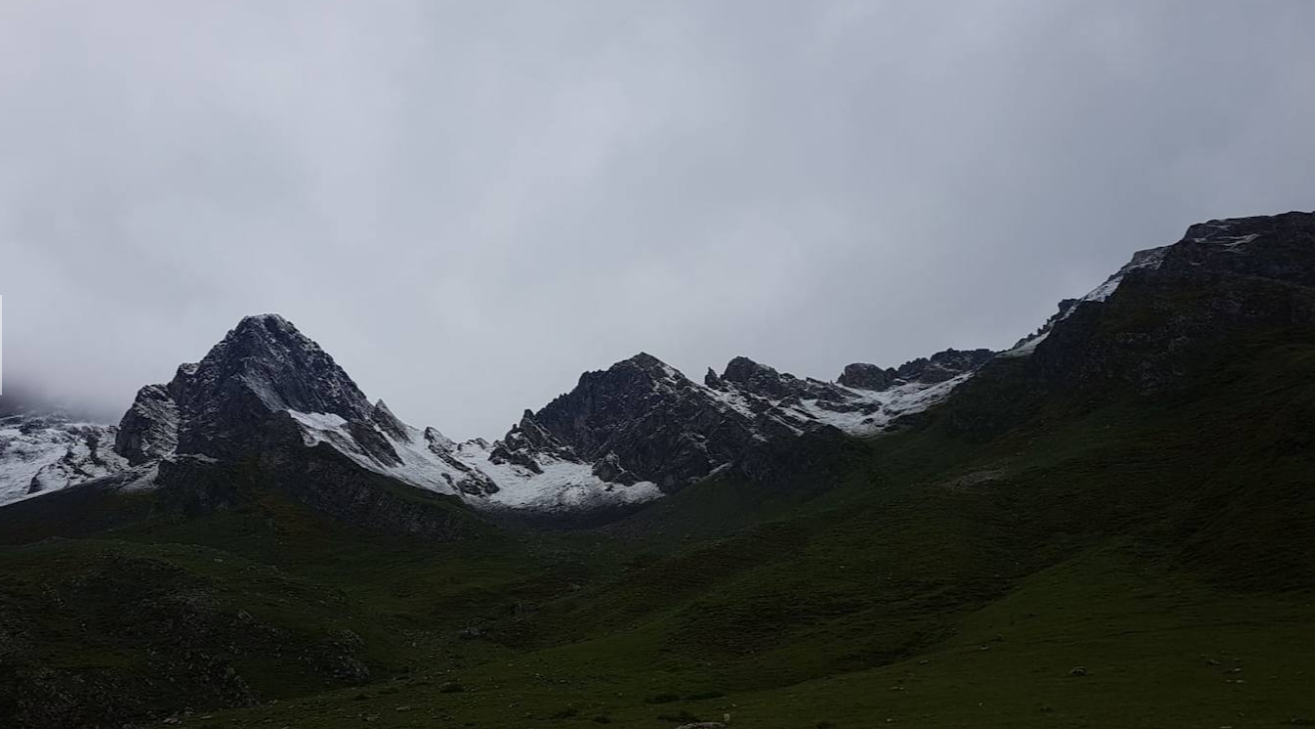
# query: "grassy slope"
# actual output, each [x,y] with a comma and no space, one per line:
[938,582]
[1162,545]
[264,602]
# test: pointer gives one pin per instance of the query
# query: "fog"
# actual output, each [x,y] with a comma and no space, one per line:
[468,204]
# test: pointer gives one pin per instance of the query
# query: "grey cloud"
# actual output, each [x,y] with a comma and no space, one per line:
[470,203]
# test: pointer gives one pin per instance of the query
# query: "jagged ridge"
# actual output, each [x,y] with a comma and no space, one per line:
[640,428]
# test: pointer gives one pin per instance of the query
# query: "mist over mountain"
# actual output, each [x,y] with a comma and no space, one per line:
[255,533]
[19,397]
[593,364]
[640,430]
[799,183]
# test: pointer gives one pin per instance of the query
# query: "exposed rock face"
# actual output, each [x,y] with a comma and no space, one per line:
[1275,247]
[865,376]
[642,419]
[526,440]
[609,469]
[647,420]
[1152,321]
[266,394]
[218,406]
[262,366]
[381,416]
[940,367]
[149,430]
[943,366]
[750,377]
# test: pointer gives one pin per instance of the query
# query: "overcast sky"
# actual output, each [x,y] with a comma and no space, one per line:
[470,203]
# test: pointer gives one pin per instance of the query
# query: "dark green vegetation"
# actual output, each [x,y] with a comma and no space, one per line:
[1023,557]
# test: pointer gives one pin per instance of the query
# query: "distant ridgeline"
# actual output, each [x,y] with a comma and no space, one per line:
[1108,525]
[639,430]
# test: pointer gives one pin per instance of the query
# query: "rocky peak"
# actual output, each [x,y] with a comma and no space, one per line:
[641,419]
[264,365]
[527,442]
[285,369]
[604,396]
[439,442]
[758,379]
[389,423]
[529,434]
[219,406]
[712,380]
[266,393]
[943,366]
[863,376]
[1223,277]
[536,436]
[647,363]
[742,370]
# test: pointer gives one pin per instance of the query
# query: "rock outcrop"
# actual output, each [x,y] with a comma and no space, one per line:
[268,395]
[1157,317]
[642,419]
[149,430]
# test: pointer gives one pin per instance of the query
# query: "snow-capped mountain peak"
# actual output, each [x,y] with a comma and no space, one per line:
[622,436]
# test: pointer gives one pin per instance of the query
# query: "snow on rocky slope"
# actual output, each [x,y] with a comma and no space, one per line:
[623,436]
[1149,259]
[643,422]
[1273,247]
[39,454]
[266,375]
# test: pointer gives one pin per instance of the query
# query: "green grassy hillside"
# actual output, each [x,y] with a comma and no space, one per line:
[1125,561]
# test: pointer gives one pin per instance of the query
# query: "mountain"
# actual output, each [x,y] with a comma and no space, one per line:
[640,429]
[1173,304]
[642,420]
[626,435]
[1107,525]
[269,393]
[622,437]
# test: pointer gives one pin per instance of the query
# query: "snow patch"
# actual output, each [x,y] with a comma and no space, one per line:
[431,461]
[419,467]
[38,456]
[1028,346]
[562,484]
[856,411]
[882,407]
[1142,259]
[1233,244]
